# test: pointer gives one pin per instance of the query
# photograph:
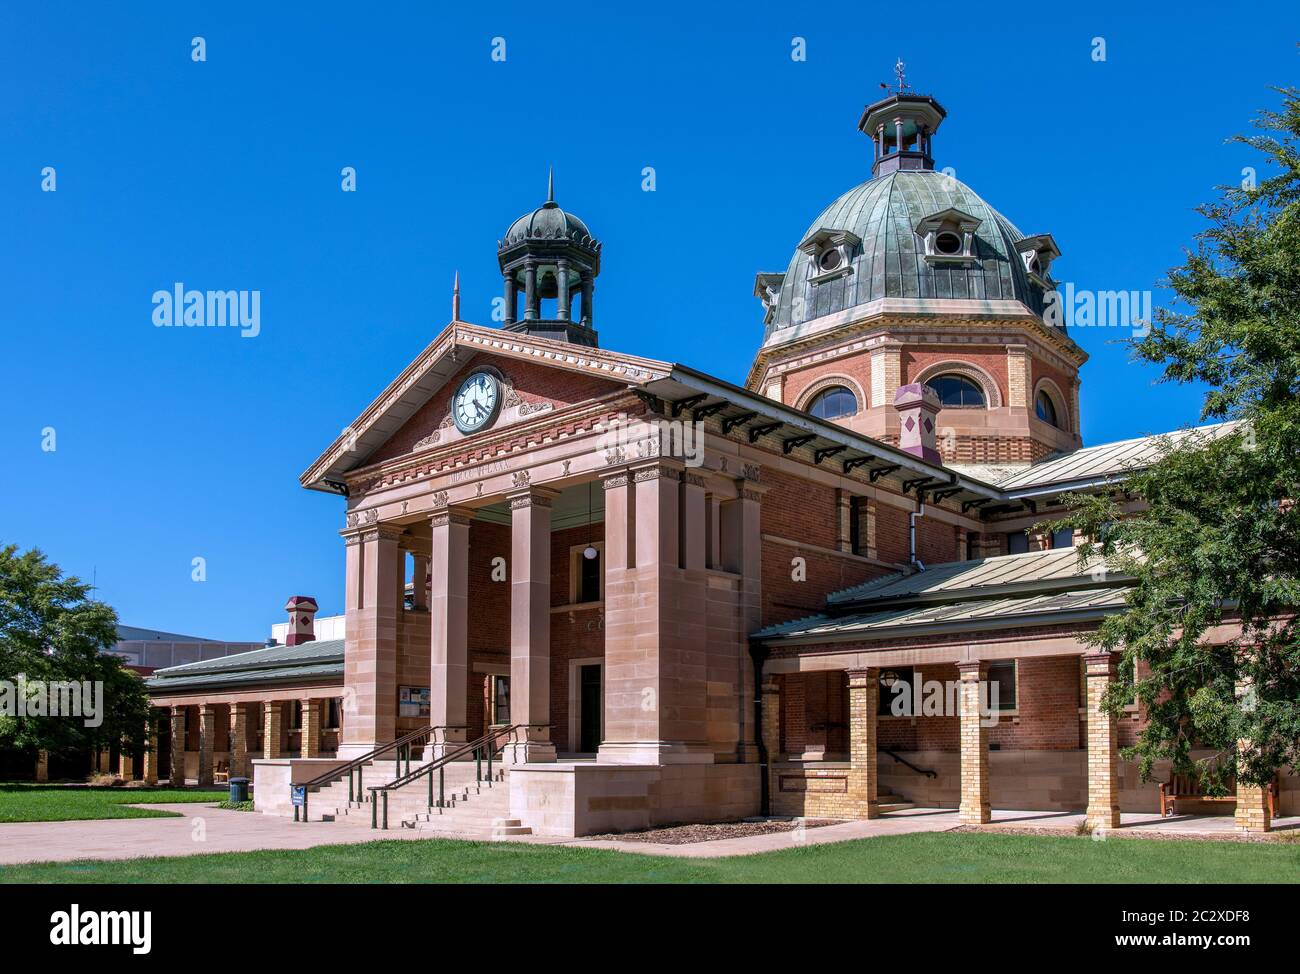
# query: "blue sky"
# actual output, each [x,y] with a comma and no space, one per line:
[181,443]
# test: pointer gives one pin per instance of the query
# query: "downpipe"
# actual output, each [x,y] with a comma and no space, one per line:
[914,561]
[759,653]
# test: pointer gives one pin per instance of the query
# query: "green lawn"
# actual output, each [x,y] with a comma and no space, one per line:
[919,858]
[24,802]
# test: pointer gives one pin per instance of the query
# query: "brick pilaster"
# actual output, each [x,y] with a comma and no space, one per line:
[239,740]
[310,728]
[864,695]
[1252,813]
[271,718]
[149,769]
[207,733]
[42,765]
[771,730]
[178,746]
[974,808]
[1103,745]
[125,764]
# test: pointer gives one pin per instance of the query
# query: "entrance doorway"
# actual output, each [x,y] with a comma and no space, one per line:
[590,708]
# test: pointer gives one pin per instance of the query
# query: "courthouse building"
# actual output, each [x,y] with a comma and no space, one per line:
[679,599]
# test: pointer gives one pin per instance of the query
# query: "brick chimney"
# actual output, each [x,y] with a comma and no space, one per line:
[302,612]
[918,407]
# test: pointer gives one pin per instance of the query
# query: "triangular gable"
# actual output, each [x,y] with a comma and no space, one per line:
[411,400]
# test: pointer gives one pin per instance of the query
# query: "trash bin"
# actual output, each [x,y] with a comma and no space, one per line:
[239,789]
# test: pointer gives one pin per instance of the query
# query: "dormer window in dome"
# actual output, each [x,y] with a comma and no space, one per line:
[948,237]
[1038,252]
[767,288]
[830,253]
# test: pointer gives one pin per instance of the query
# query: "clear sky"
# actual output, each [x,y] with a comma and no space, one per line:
[173,444]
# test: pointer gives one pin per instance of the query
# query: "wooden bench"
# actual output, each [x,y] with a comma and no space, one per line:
[221,774]
[1187,786]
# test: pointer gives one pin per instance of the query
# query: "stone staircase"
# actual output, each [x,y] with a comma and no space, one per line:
[474,809]
[887,801]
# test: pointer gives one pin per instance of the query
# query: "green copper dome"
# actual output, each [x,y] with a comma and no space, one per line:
[907,234]
[547,222]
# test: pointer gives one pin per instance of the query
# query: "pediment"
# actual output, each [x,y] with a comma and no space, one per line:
[413,412]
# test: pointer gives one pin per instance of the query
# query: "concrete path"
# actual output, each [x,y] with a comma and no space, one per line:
[205,828]
[200,829]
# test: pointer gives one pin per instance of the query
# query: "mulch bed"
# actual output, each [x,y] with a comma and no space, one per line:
[686,834]
[1130,834]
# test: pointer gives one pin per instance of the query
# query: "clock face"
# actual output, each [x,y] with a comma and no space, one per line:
[476,402]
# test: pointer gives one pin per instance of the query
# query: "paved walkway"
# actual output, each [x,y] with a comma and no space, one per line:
[205,828]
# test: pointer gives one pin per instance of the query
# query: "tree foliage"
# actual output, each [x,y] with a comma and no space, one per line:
[51,630]
[1218,543]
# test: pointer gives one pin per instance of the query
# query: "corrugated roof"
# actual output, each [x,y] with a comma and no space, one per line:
[194,681]
[958,579]
[1105,459]
[981,614]
[318,651]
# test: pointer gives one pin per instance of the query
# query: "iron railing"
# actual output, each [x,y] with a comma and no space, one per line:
[355,769]
[483,750]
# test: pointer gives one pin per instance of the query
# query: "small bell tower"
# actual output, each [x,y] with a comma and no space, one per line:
[902,128]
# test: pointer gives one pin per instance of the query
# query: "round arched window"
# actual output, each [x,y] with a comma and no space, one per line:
[1046,409]
[956,390]
[833,403]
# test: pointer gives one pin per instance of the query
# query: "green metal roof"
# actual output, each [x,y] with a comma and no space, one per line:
[1055,569]
[883,213]
[317,673]
[321,651]
[963,615]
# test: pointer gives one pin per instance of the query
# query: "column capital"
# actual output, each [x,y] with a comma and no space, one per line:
[972,670]
[451,515]
[657,469]
[1100,664]
[862,676]
[532,496]
[614,476]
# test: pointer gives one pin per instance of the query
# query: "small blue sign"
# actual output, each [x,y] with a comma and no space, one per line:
[299,794]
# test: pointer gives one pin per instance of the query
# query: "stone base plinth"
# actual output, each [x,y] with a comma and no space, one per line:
[272,778]
[588,799]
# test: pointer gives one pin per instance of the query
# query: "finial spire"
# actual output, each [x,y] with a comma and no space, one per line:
[550,184]
[455,297]
[900,72]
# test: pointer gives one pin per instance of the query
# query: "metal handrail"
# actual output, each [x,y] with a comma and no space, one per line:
[902,760]
[479,747]
[352,770]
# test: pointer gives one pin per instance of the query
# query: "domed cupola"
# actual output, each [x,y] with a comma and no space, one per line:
[911,278]
[551,257]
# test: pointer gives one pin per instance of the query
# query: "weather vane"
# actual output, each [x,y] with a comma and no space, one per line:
[900,72]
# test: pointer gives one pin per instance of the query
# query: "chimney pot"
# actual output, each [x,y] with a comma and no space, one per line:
[302,613]
[918,426]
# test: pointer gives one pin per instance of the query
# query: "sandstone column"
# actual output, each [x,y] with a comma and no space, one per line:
[448,630]
[310,728]
[864,696]
[530,624]
[373,602]
[239,740]
[42,765]
[178,747]
[974,809]
[1103,745]
[207,731]
[125,763]
[419,581]
[271,723]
